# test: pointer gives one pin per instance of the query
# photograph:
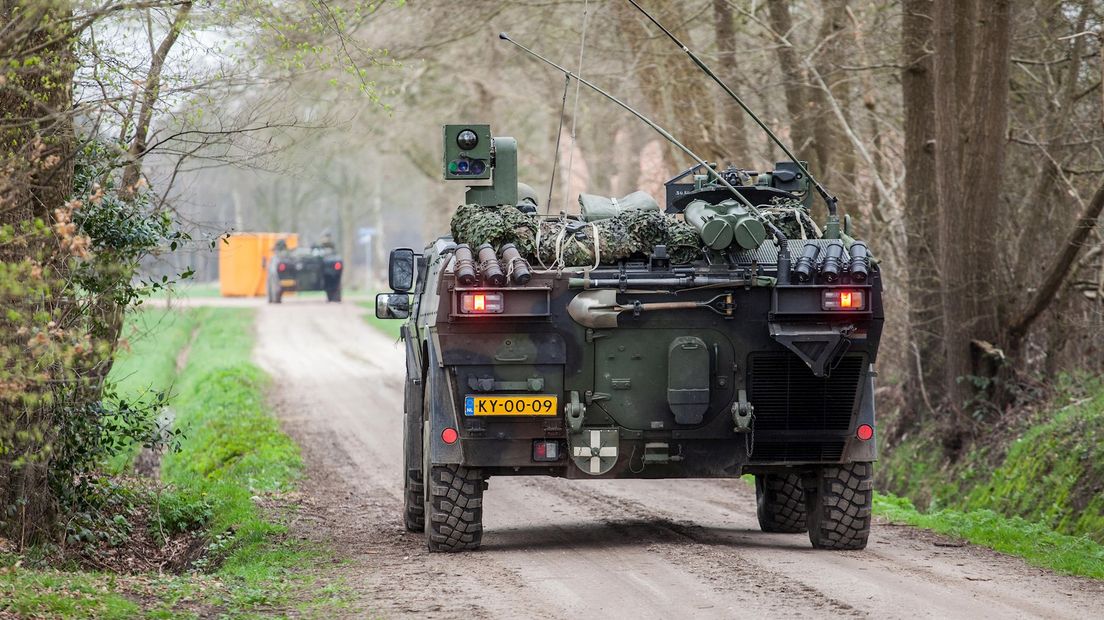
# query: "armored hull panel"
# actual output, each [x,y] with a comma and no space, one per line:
[736,377]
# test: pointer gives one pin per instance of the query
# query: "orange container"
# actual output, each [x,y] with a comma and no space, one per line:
[243,262]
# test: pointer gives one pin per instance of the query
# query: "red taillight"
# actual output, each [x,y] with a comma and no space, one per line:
[281,267]
[836,299]
[481,302]
[864,432]
[546,450]
[337,266]
[449,436]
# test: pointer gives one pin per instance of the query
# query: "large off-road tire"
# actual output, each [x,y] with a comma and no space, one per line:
[454,508]
[414,502]
[453,501]
[413,484]
[837,504]
[780,503]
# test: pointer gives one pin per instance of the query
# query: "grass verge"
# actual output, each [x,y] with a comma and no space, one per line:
[1034,542]
[1048,468]
[234,452]
[146,364]
[233,457]
[188,290]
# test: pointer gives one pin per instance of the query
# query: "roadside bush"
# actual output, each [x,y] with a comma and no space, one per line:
[64,288]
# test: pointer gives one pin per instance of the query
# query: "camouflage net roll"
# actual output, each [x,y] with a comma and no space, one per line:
[792,218]
[570,243]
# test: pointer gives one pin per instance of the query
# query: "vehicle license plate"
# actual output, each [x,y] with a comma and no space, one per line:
[510,405]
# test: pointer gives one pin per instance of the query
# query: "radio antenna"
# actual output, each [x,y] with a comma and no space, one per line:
[647,121]
[829,200]
[779,236]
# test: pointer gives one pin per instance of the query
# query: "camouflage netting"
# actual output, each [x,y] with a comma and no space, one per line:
[632,233]
[792,218]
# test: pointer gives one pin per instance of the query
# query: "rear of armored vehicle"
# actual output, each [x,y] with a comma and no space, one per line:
[746,360]
[300,270]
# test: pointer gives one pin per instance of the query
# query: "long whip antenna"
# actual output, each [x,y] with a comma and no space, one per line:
[575,107]
[647,121]
[829,200]
[556,155]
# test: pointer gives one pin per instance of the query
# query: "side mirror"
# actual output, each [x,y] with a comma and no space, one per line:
[392,306]
[400,270]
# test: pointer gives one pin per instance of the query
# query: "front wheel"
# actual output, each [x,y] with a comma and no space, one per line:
[838,500]
[413,483]
[780,503]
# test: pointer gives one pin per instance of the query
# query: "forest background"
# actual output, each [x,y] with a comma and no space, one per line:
[963,138]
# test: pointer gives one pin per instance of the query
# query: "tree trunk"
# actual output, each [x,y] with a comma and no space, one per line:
[800,99]
[36,155]
[1057,272]
[917,90]
[733,134]
[970,71]
[666,76]
[834,151]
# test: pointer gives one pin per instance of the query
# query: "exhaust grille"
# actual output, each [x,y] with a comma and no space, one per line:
[788,397]
[798,451]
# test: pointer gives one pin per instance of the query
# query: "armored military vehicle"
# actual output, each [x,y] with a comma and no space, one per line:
[724,334]
[317,268]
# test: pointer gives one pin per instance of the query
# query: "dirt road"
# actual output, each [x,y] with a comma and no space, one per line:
[620,549]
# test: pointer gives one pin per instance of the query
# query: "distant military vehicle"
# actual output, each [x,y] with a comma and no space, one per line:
[317,268]
[626,342]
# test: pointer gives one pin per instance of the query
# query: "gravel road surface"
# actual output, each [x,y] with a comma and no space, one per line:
[606,549]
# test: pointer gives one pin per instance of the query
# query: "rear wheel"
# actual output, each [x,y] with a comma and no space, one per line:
[453,503]
[454,508]
[333,294]
[780,503]
[837,502]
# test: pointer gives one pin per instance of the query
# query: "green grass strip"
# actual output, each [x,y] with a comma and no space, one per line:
[145,364]
[58,594]
[233,451]
[1034,542]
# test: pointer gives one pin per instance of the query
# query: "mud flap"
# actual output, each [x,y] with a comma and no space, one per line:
[412,404]
[441,414]
[858,450]
[817,345]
